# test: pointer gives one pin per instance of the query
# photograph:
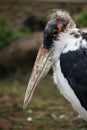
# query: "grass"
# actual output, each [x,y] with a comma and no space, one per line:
[48,109]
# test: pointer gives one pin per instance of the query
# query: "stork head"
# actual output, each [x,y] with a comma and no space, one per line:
[58,24]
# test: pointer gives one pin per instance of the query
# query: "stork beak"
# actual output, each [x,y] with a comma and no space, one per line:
[41,68]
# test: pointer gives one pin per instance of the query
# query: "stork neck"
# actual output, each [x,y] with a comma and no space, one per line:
[69,40]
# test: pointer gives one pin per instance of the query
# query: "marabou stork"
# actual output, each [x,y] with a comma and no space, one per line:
[64,48]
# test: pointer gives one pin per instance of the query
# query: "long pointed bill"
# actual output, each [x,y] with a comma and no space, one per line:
[41,68]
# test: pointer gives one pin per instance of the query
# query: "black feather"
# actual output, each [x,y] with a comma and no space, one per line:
[74,67]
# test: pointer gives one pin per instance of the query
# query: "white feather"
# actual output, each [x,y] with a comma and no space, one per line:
[66,90]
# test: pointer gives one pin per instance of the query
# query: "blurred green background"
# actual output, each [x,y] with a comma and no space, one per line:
[21,32]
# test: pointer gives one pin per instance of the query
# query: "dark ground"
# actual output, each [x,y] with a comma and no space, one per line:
[47,110]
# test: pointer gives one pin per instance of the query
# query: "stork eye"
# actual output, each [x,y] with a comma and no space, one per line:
[55,32]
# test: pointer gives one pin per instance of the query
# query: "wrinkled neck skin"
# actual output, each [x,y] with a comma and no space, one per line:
[65,42]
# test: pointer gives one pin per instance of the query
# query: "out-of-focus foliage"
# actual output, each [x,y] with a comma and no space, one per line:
[82,21]
[7,33]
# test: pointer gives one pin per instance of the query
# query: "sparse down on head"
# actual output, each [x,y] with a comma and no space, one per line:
[59,21]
